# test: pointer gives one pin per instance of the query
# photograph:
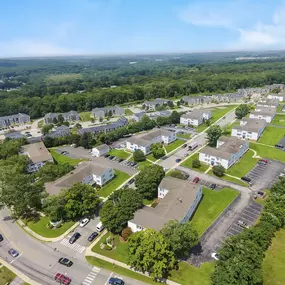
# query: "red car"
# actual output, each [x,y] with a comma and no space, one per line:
[196,179]
[264,160]
[62,279]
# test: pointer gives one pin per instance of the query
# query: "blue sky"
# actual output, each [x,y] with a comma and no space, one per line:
[66,27]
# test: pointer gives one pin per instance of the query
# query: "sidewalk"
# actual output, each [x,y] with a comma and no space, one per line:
[45,239]
[89,252]
[18,273]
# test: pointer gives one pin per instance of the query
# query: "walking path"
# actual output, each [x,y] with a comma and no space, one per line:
[255,154]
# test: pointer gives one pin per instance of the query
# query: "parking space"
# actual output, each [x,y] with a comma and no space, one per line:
[74,152]
[205,183]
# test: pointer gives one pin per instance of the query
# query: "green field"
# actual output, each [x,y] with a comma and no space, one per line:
[120,178]
[279,120]
[119,153]
[230,179]
[151,157]
[128,112]
[40,228]
[61,159]
[268,152]
[272,135]
[211,206]
[6,276]
[174,145]
[85,116]
[279,109]
[273,263]
[245,164]
[183,136]
[188,163]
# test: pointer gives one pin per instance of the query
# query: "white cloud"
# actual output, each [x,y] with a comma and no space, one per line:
[29,48]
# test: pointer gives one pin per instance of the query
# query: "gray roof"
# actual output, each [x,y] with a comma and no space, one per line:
[270,102]
[231,146]
[157,101]
[102,147]
[252,125]
[264,111]
[51,115]
[196,114]
[14,116]
[14,135]
[83,170]
[107,108]
[37,152]
[139,115]
[174,206]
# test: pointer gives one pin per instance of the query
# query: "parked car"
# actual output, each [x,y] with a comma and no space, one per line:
[261,162]
[244,178]
[196,180]
[64,152]
[106,155]
[13,252]
[242,224]
[65,261]
[1,237]
[213,186]
[131,181]
[186,176]
[135,163]
[116,281]
[62,279]
[264,160]
[92,236]
[215,256]
[111,157]
[185,145]
[177,160]
[84,222]
[74,237]
[120,160]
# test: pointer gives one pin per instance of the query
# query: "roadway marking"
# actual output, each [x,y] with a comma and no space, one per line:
[16,258]
[75,246]
[91,276]
[109,278]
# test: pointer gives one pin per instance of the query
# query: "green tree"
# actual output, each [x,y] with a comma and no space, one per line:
[60,119]
[110,113]
[54,208]
[170,104]
[148,179]
[81,200]
[180,237]
[55,121]
[219,170]
[100,119]
[175,117]
[213,134]
[150,252]
[177,174]
[241,111]
[11,147]
[139,155]
[196,163]
[157,150]
[46,129]
[119,209]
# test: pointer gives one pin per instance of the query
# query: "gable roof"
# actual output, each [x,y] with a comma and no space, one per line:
[37,152]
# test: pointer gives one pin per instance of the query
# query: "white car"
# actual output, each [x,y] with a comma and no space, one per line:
[215,256]
[84,222]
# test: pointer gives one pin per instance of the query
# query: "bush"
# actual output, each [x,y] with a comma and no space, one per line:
[126,232]
[177,174]
[219,170]
[196,163]
[139,156]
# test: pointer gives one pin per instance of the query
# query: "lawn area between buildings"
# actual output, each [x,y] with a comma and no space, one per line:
[279,109]
[142,164]
[211,206]
[119,153]
[85,116]
[174,145]
[273,263]
[184,136]
[228,178]
[245,164]
[61,159]
[128,112]
[120,178]
[272,135]
[151,157]
[279,120]
[6,276]
[186,274]
[188,163]
[268,152]
[40,227]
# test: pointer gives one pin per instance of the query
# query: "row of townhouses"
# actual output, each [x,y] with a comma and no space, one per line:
[195,118]
[71,116]
[17,119]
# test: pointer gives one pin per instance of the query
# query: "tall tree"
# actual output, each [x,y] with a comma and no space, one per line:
[139,155]
[46,129]
[219,170]
[150,252]
[241,111]
[213,134]
[157,150]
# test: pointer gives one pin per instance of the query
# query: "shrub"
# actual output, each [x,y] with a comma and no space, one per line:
[126,232]
[196,163]
[219,170]
[139,156]
[177,174]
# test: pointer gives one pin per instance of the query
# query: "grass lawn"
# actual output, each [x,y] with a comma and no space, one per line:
[151,157]
[144,164]
[85,116]
[128,112]
[6,276]
[118,270]
[120,178]
[119,153]
[273,263]
[191,275]
[61,159]
[147,202]
[211,206]
[40,228]
[174,145]
[268,152]
[279,109]
[183,136]
[188,163]
[279,120]
[272,135]
[230,179]
[245,164]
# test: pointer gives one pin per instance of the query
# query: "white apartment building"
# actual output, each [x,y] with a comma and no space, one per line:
[249,129]
[195,118]
[228,151]
[280,96]
[263,113]
[100,150]
[269,103]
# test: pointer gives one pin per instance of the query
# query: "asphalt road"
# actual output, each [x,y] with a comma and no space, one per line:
[39,260]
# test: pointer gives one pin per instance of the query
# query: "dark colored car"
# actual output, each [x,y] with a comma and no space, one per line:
[111,157]
[74,237]
[135,163]
[177,160]
[106,155]
[186,176]
[196,179]
[92,236]
[120,160]
[185,145]
[131,181]
[213,186]
[116,281]
[244,178]
[1,237]
[62,279]
[65,261]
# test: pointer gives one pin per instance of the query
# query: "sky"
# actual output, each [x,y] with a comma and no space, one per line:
[102,27]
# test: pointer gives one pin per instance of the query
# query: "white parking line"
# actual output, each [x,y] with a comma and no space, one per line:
[16,258]
[109,278]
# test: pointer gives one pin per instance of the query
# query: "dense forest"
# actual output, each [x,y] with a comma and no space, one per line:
[39,86]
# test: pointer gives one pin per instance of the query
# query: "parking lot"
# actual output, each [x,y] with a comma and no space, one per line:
[263,176]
